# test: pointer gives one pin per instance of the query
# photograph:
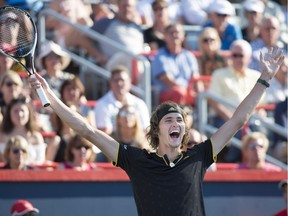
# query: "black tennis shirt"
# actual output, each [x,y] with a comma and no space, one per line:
[163,190]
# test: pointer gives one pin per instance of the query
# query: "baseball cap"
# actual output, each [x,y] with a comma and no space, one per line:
[254,6]
[222,7]
[22,207]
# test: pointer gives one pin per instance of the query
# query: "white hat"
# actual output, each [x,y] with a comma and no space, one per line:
[48,47]
[254,6]
[222,7]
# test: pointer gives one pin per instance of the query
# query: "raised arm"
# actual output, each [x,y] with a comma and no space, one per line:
[269,67]
[104,142]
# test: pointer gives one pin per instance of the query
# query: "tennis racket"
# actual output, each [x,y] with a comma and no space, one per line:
[18,39]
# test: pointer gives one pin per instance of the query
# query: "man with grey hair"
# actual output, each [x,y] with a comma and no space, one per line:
[269,36]
[232,83]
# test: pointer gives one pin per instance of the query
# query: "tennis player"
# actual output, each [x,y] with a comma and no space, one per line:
[168,181]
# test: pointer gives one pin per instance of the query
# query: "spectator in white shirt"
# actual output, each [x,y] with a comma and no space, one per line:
[107,106]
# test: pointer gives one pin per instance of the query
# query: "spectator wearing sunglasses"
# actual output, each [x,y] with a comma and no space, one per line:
[210,57]
[232,83]
[23,208]
[16,153]
[128,128]
[254,149]
[220,14]
[79,155]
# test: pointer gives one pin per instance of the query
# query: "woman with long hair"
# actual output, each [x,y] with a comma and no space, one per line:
[72,93]
[128,128]
[79,155]
[19,119]
[210,57]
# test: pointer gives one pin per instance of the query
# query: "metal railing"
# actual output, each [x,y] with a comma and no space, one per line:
[143,92]
[205,127]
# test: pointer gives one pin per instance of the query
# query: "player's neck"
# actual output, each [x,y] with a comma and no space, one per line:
[172,153]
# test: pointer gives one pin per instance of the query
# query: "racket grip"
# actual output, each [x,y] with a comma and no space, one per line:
[42,95]
[45,101]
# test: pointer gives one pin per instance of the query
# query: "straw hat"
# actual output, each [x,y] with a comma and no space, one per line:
[47,48]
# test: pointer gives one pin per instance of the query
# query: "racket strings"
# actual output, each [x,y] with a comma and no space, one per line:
[17,35]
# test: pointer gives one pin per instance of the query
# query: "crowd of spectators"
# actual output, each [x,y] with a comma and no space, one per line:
[228,53]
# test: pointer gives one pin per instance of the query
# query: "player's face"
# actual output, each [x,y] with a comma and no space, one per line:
[171,130]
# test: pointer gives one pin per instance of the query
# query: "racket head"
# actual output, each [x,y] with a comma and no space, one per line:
[18,34]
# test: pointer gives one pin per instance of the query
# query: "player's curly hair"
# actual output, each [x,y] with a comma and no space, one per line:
[153,131]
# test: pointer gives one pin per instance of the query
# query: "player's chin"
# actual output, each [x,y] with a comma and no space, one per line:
[176,144]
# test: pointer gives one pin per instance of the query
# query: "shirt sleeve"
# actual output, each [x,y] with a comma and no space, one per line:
[157,67]
[102,116]
[128,156]
[206,150]
[215,84]
[143,114]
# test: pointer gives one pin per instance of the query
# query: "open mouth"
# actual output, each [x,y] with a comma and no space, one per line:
[174,134]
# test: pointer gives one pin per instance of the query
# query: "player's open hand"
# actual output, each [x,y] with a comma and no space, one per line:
[271,64]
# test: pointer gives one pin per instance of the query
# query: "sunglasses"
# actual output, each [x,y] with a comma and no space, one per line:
[271,28]
[22,100]
[206,40]
[221,15]
[126,113]
[255,145]
[17,150]
[10,84]
[159,8]
[78,147]
[252,12]
[236,55]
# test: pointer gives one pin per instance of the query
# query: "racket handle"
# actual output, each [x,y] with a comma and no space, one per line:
[42,95]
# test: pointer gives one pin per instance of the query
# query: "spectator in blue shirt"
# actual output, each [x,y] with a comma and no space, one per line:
[220,12]
[173,67]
